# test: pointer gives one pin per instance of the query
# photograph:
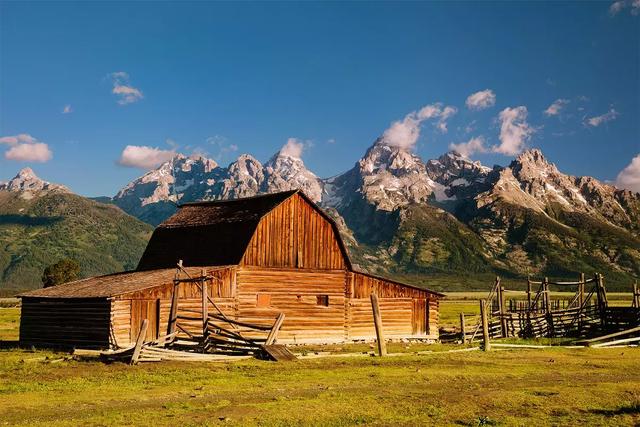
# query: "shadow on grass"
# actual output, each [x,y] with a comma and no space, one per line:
[9,344]
[631,409]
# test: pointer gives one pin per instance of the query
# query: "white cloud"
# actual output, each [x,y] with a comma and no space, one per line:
[222,145]
[555,108]
[23,138]
[616,7]
[619,5]
[143,157]
[122,88]
[447,112]
[629,177]
[295,147]
[37,152]
[25,148]
[405,133]
[604,118]
[514,131]
[466,149]
[67,109]
[481,100]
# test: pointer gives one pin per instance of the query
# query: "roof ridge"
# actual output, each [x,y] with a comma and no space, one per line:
[239,199]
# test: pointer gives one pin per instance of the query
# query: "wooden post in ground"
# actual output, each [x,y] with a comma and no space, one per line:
[503,311]
[173,312]
[636,295]
[377,321]
[139,341]
[603,299]
[205,308]
[485,325]
[528,293]
[581,290]
[463,329]
[547,297]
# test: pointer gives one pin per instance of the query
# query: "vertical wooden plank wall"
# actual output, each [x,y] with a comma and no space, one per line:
[294,235]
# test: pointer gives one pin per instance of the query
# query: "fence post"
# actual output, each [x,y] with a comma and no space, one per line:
[528,293]
[547,297]
[205,309]
[463,329]
[636,295]
[485,325]
[173,313]
[377,321]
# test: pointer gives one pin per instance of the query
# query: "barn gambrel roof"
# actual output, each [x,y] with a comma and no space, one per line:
[216,232]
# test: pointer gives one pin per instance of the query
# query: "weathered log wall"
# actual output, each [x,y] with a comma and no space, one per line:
[154,304]
[65,322]
[295,293]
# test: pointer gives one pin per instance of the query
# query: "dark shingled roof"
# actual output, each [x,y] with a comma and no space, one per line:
[110,285]
[208,233]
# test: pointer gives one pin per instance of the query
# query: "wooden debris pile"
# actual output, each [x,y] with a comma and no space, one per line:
[220,338]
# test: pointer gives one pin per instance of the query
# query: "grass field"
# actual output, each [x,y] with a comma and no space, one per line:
[523,387]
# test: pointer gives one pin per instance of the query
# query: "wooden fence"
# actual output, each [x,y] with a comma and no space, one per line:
[585,314]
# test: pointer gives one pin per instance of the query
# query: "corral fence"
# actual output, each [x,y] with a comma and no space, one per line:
[583,315]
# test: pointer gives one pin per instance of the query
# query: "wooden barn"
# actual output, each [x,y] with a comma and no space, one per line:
[260,256]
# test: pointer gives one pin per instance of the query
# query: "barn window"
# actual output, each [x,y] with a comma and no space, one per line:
[263,300]
[322,300]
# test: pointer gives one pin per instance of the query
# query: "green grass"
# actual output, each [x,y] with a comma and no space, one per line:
[524,387]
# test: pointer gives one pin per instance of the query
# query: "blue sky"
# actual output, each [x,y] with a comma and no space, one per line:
[232,78]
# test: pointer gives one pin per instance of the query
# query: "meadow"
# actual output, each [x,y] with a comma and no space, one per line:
[556,386]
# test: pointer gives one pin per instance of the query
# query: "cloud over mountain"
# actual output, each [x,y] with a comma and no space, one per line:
[629,177]
[144,157]
[466,149]
[25,148]
[514,131]
[405,133]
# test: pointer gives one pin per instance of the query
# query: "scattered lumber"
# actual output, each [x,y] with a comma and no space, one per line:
[609,336]
[278,352]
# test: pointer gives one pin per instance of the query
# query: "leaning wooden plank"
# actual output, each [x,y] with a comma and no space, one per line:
[616,342]
[139,341]
[273,334]
[614,335]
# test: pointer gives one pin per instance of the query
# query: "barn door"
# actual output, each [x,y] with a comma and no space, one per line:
[145,309]
[419,317]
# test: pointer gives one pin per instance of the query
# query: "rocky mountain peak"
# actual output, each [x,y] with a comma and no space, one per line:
[286,172]
[27,181]
[532,164]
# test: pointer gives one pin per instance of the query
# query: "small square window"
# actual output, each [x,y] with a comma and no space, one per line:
[322,300]
[263,300]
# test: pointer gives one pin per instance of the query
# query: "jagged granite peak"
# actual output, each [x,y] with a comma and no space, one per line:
[387,177]
[26,181]
[542,179]
[285,172]
[458,177]
[169,181]
[243,178]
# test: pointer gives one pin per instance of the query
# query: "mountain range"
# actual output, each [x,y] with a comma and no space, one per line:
[402,216]
[416,220]
[42,223]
